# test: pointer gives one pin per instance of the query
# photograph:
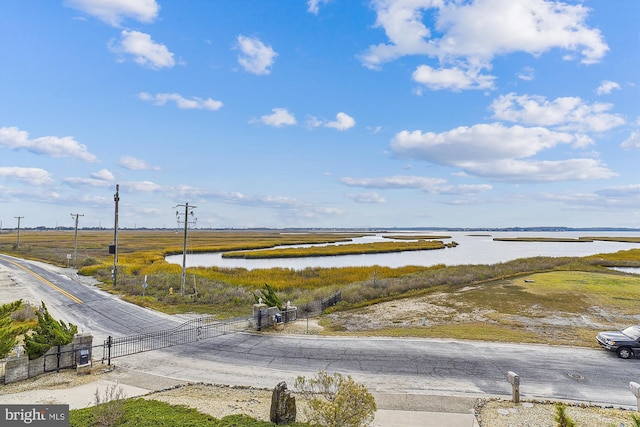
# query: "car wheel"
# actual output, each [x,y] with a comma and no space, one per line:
[625,352]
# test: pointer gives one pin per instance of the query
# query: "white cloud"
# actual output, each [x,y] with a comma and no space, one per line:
[631,190]
[632,142]
[464,189]
[114,11]
[394,182]
[564,113]
[371,197]
[52,146]
[279,118]
[103,174]
[144,50]
[132,163]
[455,79]
[495,151]
[32,176]
[486,28]
[466,36]
[313,6]
[143,186]
[182,102]
[403,182]
[255,58]
[87,182]
[342,122]
[527,74]
[541,171]
[606,87]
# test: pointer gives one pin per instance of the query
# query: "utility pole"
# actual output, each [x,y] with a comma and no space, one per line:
[18,218]
[75,241]
[188,210]
[116,199]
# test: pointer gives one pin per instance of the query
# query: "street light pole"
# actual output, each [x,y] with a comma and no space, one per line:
[75,241]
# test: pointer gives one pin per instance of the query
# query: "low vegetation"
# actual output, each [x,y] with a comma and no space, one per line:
[33,327]
[336,400]
[48,333]
[152,413]
[16,318]
[333,250]
[482,301]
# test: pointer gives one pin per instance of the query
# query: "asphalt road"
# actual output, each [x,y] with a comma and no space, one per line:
[415,366]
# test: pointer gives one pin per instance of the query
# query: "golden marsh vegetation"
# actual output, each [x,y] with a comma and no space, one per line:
[573,288]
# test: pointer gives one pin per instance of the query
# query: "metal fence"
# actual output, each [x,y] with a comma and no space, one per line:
[207,327]
[314,308]
[191,331]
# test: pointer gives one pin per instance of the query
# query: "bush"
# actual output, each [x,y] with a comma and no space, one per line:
[48,333]
[561,416]
[336,401]
[109,408]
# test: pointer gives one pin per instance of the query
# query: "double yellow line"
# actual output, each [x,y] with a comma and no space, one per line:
[46,282]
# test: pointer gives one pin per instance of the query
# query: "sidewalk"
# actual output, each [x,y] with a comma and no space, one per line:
[412,410]
[394,410]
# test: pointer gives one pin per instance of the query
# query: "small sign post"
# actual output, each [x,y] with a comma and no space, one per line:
[144,286]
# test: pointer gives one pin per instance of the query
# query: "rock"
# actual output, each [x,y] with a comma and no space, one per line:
[283,405]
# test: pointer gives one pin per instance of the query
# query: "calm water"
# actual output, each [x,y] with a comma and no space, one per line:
[473,248]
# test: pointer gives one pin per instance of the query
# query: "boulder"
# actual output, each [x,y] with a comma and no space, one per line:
[283,405]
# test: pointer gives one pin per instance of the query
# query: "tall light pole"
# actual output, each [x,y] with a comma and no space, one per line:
[75,241]
[116,199]
[188,210]
[18,218]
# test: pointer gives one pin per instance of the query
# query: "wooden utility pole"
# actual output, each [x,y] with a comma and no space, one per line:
[188,210]
[116,199]
[75,241]
[18,218]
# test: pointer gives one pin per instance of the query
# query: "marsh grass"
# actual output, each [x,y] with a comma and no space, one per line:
[332,250]
[510,292]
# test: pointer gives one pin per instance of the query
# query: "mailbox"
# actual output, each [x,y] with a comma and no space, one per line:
[84,357]
[514,379]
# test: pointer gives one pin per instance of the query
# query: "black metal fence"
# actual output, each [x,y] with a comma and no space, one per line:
[314,308]
[207,327]
[191,331]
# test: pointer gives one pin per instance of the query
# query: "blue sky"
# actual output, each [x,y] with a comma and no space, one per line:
[320,113]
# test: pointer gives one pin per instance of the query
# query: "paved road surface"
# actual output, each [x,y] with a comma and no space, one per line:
[414,366]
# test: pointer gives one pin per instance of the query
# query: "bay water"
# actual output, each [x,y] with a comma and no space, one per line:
[472,248]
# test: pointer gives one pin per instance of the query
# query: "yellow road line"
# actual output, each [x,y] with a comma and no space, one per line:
[46,282]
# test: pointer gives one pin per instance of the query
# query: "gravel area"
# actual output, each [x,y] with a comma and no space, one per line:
[501,413]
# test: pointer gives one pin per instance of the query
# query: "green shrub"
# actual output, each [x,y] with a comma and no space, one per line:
[562,419]
[48,333]
[336,401]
